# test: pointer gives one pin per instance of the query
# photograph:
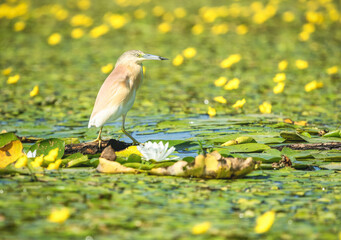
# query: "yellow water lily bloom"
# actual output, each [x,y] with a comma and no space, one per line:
[232,59]
[189,52]
[265,107]
[242,29]
[288,16]
[178,60]
[180,12]
[77,33]
[59,215]
[201,228]
[54,39]
[81,20]
[34,91]
[265,221]
[52,155]
[197,29]
[21,162]
[282,65]
[7,71]
[107,68]
[279,88]
[164,27]
[332,70]
[232,84]
[140,14]
[83,4]
[280,77]
[220,81]
[55,165]
[19,26]
[117,20]
[313,85]
[220,99]
[98,31]
[38,161]
[211,111]
[301,64]
[13,79]
[239,103]
[128,151]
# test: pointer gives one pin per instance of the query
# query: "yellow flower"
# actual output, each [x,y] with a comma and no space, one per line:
[34,91]
[265,107]
[301,64]
[189,52]
[201,228]
[21,162]
[77,33]
[314,17]
[52,155]
[288,16]
[81,20]
[7,71]
[220,81]
[128,151]
[107,68]
[54,39]
[282,65]
[279,88]
[197,29]
[178,60]
[304,36]
[239,103]
[59,215]
[140,14]
[220,28]
[232,59]
[117,21]
[158,11]
[83,4]
[61,14]
[38,161]
[211,111]
[220,99]
[309,28]
[232,84]
[264,222]
[242,29]
[332,70]
[99,31]
[168,17]
[313,85]
[280,77]
[164,27]
[13,79]
[19,26]
[55,165]
[180,12]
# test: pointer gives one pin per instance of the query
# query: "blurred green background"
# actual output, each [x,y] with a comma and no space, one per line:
[61,46]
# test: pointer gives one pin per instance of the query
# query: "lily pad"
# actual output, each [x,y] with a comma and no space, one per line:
[44,147]
[245,148]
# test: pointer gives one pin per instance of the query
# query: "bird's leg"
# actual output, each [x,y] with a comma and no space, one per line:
[99,139]
[135,142]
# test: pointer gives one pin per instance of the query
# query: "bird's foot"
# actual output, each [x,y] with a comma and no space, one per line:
[99,140]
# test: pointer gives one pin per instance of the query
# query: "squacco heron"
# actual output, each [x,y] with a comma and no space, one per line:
[117,94]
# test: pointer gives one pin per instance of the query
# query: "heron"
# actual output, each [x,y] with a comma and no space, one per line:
[117,94]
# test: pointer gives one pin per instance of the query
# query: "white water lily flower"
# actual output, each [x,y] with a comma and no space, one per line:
[31,154]
[155,151]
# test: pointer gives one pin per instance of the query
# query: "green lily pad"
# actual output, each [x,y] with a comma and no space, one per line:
[244,148]
[76,160]
[45,146]
[6,138]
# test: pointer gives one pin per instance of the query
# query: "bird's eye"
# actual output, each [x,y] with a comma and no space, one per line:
[138,55]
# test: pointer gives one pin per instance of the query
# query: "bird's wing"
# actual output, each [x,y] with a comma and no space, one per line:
[113,92]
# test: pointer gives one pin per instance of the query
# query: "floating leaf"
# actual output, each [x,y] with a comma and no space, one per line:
[76,160]
[45,146]
[246,147]
[6,138]
[293,137]
[336,133]
[10,152]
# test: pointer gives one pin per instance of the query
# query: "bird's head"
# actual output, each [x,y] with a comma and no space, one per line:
[137,56]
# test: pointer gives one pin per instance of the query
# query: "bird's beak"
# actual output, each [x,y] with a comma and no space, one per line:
[153,57]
